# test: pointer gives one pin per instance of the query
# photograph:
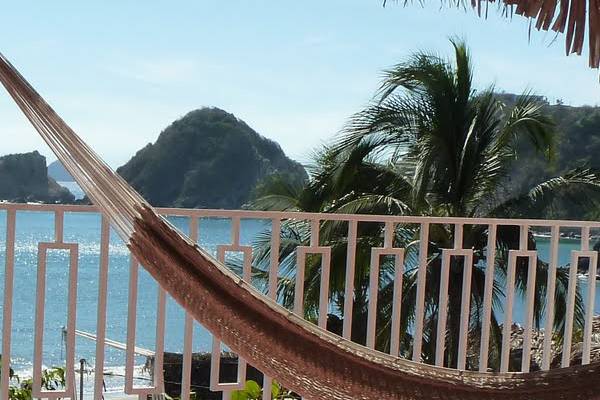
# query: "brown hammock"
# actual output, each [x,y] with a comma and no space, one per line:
[304,358]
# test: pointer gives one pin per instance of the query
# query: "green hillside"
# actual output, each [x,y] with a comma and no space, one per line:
[578,146]
[207,159]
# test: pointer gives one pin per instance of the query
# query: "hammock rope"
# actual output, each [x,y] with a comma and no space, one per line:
[303,357]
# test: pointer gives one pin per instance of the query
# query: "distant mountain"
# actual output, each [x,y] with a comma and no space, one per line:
[207,159]
[24,177]
[578,146]
[58,172]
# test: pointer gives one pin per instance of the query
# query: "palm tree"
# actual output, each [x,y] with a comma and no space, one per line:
[428,145]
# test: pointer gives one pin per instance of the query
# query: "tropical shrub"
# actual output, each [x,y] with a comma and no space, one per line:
[21,389]
[253,391]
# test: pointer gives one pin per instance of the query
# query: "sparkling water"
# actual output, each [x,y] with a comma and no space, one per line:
[84,229]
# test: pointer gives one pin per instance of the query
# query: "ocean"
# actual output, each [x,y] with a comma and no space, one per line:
[84,229]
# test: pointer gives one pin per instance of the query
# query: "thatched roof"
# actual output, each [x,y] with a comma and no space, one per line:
[571,17]
[566,16]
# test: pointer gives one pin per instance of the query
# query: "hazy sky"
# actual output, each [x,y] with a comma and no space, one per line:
[120,71]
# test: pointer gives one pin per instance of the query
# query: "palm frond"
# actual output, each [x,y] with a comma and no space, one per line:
[529,119]
[580,186]
[277,194]
[373,204]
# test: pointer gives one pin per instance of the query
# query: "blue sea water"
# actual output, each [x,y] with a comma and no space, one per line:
[84,229]
[73,188]
[566,246]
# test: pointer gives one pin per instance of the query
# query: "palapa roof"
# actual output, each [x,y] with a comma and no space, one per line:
[577,19]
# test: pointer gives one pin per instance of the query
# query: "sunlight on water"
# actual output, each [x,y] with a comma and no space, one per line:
[84,229]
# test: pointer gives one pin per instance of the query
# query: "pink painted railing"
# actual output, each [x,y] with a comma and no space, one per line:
[407,257]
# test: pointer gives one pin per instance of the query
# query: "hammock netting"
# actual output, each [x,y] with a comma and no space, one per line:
[303,357]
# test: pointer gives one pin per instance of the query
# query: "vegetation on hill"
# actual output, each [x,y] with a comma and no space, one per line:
[207,159]
[428,145]
[577,146]
[24,177]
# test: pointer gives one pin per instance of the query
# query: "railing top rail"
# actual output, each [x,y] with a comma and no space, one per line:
[282,215]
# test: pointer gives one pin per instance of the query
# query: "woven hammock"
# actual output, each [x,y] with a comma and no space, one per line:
[301,356]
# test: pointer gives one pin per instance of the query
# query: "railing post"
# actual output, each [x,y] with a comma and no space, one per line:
[421,277]
[350,271]
[591,296]
[102,298]
[186,369]
[487,297]
[272,290]
[550,290]
[8,302]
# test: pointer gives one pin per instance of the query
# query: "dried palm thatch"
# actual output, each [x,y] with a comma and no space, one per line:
[313,362]
[571,16]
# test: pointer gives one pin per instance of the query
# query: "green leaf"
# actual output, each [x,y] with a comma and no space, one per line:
[239,395]
[253,389]
[275,390]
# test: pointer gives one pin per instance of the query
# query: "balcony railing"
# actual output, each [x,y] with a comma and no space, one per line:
[455,292]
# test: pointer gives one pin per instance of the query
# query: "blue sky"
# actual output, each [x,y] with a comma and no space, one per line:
[120,71]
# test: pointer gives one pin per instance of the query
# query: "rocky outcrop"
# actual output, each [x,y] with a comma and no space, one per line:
[207,159]
[24,178]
